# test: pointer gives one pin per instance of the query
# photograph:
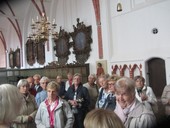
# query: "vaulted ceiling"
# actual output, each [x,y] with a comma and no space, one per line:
[16,15]
[14,11]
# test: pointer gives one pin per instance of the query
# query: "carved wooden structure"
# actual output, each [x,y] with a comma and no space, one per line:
[35,51]
[11,58]
[30,52]
[52,70]
[62,47]
[81,41]
[17,58]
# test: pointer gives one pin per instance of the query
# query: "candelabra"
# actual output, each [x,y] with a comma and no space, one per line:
[42,29]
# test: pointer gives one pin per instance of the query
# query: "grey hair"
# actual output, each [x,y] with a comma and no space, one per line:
[92,75]
[126,83]
[44,78]
[37,75]
[10,102]
[22,82]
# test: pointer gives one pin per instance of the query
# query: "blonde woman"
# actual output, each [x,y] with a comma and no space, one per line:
[54,112]
[110,102]
[100,118]
[29,107]
[10,104]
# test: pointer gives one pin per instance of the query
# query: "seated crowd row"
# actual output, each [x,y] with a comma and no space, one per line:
[109,101]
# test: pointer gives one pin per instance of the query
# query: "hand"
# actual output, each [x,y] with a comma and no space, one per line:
[30,119]
[73,102]
[143,97]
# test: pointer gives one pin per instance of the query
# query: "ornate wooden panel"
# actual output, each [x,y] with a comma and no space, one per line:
[30,52]
[62,47]
[81,41]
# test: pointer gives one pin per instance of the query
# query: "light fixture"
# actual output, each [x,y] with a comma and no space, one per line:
[119,7]
[42,29]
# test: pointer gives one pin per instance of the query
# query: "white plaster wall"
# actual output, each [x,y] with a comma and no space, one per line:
[132,40]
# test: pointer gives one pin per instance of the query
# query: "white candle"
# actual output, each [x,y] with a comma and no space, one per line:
[53,21]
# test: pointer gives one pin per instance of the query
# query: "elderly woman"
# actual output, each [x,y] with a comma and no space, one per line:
[29,108]
[10,104]
[131,111]
[42,95]
[103,91]
[110,102]
[54,112]
[79,100]
[145,93]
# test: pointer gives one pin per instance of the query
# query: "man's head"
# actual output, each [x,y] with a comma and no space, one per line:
[36,78]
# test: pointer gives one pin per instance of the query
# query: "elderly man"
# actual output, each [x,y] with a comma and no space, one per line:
[93,90]
[132,112]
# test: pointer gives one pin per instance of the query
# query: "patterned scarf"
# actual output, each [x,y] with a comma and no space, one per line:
[51,112]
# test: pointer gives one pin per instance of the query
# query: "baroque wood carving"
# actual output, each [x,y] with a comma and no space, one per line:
[35,52]
[81,41]
[11,58]
[62,47]
[17,58]
[40,52]
[30,51]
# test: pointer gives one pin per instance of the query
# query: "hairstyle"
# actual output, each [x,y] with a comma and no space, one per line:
[22,82]
[99,64]
[60,76]
[113,77]
[30,77]
[100,118]
[69,73]
[77,74]
[44,78]
[92,75]
[53,85]
[106,76]
[127,84]
[10,103]
[37,75]
[139,77]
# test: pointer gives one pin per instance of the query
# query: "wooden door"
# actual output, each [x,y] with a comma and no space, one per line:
[157,75]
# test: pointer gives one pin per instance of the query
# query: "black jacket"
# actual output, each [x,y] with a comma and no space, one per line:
[82,94]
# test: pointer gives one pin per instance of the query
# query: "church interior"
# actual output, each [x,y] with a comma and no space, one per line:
[54,37]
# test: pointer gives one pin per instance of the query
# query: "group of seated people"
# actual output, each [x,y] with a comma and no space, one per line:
[109,101]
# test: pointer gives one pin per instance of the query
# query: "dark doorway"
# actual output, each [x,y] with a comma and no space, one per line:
[157,75]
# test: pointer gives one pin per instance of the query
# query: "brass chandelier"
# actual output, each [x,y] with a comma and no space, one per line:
[42,29]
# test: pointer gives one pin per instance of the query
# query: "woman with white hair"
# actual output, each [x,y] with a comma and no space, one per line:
[130,110]
[29,108]
[10,104]
[42,95]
